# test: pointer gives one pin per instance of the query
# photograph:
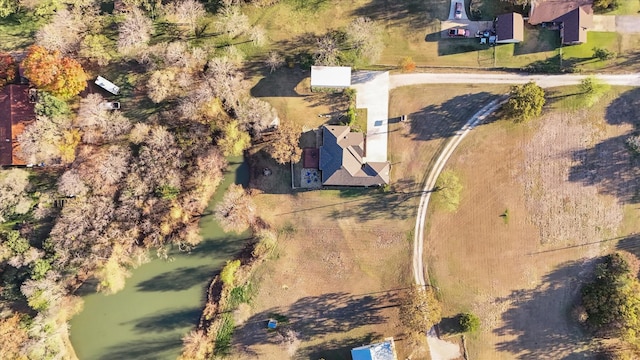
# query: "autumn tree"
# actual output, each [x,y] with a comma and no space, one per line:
[233,140]
[285,147]
[526,102]
[8,69]
[13,335]
[48,70]
[13,199]
[71,184]
[420,310]
[407,64]
[236,210]
[162,85]
[50,106]
[226,82]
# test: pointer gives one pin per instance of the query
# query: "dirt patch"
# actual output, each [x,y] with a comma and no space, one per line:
[565,212]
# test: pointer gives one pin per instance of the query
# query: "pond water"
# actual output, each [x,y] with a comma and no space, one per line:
[162,300]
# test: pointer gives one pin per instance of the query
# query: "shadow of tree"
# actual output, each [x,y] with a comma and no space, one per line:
[168,321]
[442,121]
[609,165]
[316,316]
[414,13]
[339,349]
[538,320]
[630,243]
[144,350]
[625,109]
[176,280]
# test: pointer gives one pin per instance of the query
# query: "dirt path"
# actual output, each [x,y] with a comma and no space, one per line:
[542,80]
[440,349]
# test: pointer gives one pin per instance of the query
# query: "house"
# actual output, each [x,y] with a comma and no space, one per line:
[385,350]
[332,77]
[572,17]
[16,112]
[509,28]
[343,159]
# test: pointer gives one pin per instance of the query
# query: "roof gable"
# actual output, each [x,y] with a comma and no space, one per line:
[510,27]
[343,159]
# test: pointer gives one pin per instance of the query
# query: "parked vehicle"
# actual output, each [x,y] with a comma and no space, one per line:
[459,32]
[110,105]
[458,13]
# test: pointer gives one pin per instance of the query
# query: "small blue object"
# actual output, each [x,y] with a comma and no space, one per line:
[272,324]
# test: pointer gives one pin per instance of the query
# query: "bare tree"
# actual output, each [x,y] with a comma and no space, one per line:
[274,61]
[327,51]
[236,211]
[366,37]
[114,163]
[188,12]
[226,81]
[39,142]
[63,33]
[134,32]
[255,114]
[258,35]
[232,21]
[71,184]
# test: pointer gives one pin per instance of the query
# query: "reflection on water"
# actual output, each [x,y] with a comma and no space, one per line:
[161,301]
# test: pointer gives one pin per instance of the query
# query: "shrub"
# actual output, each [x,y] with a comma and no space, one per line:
[50,106]
[633,142]
[407,64]
[469,322]
[227,275]
[603,54]
[448,189]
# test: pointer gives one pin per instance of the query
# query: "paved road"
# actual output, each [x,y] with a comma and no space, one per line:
[542,80]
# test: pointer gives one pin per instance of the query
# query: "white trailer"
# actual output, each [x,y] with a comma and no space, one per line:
[107,85]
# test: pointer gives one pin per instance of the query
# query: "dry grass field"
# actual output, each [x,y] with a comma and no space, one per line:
[570,187]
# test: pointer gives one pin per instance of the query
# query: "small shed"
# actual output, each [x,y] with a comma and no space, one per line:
[509,28]
[330,77]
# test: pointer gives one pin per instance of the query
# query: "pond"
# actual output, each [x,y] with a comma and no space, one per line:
[162,300]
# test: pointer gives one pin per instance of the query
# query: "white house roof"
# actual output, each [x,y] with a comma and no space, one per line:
[331,76]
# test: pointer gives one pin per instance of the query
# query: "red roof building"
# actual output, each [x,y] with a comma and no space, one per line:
[16,112]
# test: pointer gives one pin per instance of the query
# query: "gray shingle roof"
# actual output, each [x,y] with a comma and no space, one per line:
[343,159]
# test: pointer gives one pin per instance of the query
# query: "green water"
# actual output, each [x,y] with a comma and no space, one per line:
[162,300]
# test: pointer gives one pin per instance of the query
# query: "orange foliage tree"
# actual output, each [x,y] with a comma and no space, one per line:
[50,71]
[8,69]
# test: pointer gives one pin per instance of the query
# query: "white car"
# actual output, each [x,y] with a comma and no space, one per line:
[110,105]
[458,13]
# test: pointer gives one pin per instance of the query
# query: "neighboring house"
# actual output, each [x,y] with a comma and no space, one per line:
[332,77]
[16,112]
[509,28]
[343,159]
[385,350]
[572,17]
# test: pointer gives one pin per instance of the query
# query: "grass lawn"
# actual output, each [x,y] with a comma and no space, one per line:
[522,276]
[18,32]
[627,7]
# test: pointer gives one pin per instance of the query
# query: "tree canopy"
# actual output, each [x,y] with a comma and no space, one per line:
[48,70]
[526,102]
